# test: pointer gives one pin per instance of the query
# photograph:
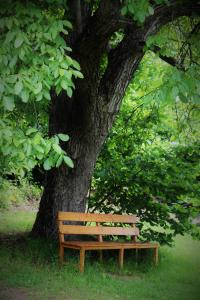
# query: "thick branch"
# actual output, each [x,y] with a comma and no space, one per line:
[179,63]
[92,43]
[169,60]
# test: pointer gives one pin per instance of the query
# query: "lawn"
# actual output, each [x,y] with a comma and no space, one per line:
[31,266]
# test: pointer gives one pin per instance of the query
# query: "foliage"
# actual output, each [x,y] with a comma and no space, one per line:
[34,59]
[145,170]
[178,43]
[140,9]
[23,148]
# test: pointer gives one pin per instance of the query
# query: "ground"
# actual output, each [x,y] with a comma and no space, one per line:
[30,269]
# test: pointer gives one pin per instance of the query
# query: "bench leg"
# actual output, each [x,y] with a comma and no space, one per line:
[121,258]
[82,260]
[155,256]
[61,254]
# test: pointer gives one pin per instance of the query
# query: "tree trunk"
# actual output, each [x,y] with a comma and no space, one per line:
[87,118]
[66,189]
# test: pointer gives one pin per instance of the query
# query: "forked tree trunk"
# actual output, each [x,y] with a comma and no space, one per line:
[87,123]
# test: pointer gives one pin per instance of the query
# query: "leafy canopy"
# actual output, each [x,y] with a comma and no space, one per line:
[34,60]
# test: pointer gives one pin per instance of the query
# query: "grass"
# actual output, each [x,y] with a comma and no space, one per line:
[16,221]
[32,265]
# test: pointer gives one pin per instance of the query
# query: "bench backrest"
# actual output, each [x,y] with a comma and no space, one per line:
[97,228]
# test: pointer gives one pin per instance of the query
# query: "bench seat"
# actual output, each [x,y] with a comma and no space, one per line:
[93,245]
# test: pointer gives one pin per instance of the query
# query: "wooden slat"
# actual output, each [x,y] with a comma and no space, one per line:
[97,230]
[108,245]
[96,243]
[91,217]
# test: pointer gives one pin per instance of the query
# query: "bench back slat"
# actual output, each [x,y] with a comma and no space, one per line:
[98,230]
[92,217]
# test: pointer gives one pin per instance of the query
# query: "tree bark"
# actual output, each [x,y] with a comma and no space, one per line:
[89,115]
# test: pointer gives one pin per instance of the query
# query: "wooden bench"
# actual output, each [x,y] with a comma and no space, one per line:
[99,228]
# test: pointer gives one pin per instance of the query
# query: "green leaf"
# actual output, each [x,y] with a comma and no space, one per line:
[69,92]
[174,91]
[8,102]
[124,10]
[47,164]
[76,65]
[67,23]
[47,95]
[64,84]
[78,74]
[39,97]
[59,161]
[30,131]
[36,139]
[68,75]
[64,65]
[25,96]
[70,61]
[38,89]
[18,41]
[68,161]
[151,10]
[57,148]
[48,147]
[183,98]
[9,37]
[63,137]
[31,163]
[62,72]
[39,148]
[18,87]
[28,149]
[13,61]
[55,139]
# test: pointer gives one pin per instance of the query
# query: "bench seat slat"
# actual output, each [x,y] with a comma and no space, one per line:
[92,217]
[98,230]
[109,245]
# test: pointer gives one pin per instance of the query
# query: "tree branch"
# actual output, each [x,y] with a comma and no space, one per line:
[179,63]
[95,37]
[124,59]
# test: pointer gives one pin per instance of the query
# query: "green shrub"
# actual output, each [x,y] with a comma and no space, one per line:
[142,171]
